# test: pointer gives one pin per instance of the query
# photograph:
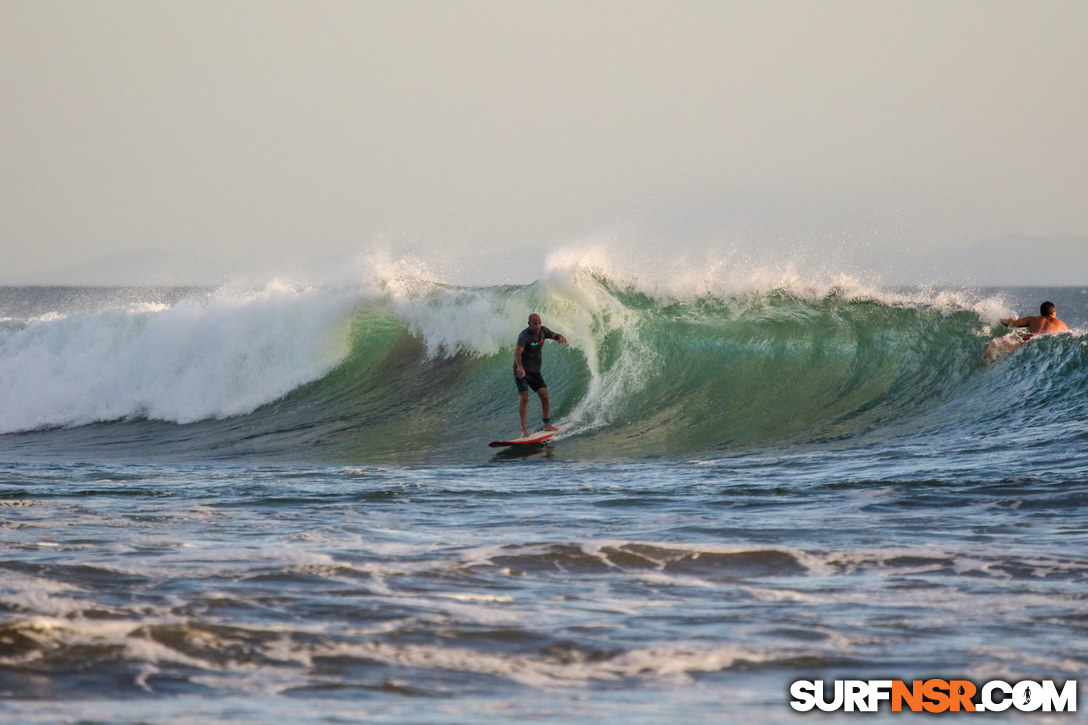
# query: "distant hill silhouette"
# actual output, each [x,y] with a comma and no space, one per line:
[1056,261]
[154,267]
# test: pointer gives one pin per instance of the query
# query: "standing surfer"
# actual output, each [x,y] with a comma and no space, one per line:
[528,356]
[1046,322]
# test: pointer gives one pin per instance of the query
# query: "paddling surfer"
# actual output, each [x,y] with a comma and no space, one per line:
[528,356]
[1045,323]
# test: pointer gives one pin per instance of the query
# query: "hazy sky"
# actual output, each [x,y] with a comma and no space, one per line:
[472,131]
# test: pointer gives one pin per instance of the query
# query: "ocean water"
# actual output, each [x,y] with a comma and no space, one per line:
[277,503]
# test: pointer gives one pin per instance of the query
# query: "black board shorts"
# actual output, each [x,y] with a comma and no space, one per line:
[531,380]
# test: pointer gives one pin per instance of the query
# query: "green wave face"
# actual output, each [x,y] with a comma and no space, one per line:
[651,375]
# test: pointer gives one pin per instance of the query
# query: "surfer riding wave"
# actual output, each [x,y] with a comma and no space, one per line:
[528,357]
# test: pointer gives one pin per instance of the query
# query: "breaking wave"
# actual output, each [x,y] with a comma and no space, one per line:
[406,367]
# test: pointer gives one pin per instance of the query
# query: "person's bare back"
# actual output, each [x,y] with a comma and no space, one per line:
[1046,322]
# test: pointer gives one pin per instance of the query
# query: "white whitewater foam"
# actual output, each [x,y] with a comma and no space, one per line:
[197,359]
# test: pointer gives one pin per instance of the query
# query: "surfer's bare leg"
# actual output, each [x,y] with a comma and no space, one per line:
[523,407]
[545,408]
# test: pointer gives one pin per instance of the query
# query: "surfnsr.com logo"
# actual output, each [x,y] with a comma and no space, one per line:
[934,696]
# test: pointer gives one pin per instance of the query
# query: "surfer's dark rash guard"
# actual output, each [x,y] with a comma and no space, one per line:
[532,355]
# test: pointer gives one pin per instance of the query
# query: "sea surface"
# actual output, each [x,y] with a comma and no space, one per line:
[276,502]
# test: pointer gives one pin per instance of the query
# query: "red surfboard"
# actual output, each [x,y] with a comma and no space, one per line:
[538,437]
